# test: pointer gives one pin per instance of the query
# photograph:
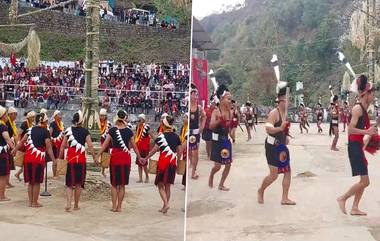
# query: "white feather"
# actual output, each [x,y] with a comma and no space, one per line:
[38,153]
[34,150]
[74,143]
[1,149]
[82,149]
[78,147]
[5,148]
[71,138]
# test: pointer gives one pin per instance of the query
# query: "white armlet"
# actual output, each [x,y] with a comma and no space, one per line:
[269,125]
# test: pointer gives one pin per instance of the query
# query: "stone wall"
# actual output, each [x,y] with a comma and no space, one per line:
[161,45]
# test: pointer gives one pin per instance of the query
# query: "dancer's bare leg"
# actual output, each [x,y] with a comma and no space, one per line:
[225,173]
[214,170]
[3,184]
[161,190]
[285,189]
[140,174]
[114,198]
[120,198]
[77,193]
[268,180]
[30,194]
[194,163]
[208,148]
[335,141]
[69,195]
[146,174]
[357,190]
[167,190]
[36,194]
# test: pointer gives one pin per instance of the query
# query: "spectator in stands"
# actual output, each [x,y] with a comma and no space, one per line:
[3,96]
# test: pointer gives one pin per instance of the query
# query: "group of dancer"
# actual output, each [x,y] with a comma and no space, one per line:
[218,122]
[36,143]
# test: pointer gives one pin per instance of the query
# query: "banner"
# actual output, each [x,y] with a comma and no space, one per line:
[200,78]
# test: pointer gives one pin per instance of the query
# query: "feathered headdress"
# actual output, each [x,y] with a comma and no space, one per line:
[280,84]
[215,84]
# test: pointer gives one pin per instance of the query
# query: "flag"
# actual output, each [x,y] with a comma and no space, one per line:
[13,59]
[199,74]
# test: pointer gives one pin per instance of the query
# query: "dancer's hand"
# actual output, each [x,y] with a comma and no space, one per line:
[372,131]
[283,125]
[13,152]
[96,160]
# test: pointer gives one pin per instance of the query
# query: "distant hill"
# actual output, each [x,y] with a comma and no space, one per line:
[303,33]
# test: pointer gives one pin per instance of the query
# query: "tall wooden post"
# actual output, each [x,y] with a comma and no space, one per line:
[91,101]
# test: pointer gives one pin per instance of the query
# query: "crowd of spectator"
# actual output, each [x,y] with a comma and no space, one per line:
[120,14]
[135,87]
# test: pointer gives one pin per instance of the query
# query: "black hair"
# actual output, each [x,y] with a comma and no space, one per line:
[193,88]
[26,113]
[248,103]
[170,120]
[362,81]
[319,104]
[220,91]
[233,101]
[76,118]
[301,104]
[121,114]
[212,97]
[335,98]
[39,118]
[281,92]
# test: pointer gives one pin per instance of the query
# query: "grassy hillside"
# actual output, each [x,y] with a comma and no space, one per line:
[303,33]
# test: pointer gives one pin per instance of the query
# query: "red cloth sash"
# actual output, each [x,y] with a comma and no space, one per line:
[74,156]
[32,157]
[120,157]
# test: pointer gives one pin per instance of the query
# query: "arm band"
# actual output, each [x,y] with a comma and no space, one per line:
[269,124]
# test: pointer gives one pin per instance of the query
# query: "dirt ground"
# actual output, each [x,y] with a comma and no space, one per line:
[139,219]
[319,177]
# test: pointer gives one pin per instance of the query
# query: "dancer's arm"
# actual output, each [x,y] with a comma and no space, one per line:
[49,149]
[215,116]
[356,113]
[91,147]
[272,119]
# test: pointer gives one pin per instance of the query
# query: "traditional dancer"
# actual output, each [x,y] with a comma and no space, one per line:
[197,123]
[345,114]
[56,132]
[248,113]
[12,130]
[275,149]
[183,138]
[319,114]
[104,125]
[162,126]
[25,126]
[207,133]
[169,145]
[6,144]
[235,120]
[38,143]
[142,139]
[75,139]
[334,123]
[359,127]
[120,137]
[221,150]
[303,118]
